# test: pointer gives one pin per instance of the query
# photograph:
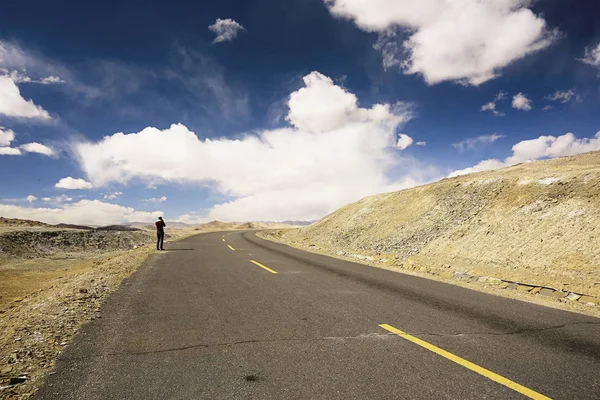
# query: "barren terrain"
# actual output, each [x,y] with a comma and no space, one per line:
[536,223]
[53,279]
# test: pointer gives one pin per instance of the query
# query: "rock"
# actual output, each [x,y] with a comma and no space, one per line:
[573,296]
[17,300]
[524,288]
[6,370]
[535,290]
[461,276]
[589,299]
[82,290]
[546,291]
[17,379]
[512,285]
[559,294]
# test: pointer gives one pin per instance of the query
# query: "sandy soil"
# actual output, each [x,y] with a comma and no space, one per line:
[44,302]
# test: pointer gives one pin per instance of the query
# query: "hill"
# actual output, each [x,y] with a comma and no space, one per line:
[537,222]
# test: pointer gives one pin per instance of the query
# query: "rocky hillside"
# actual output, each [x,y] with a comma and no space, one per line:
[32,243]
[537,222]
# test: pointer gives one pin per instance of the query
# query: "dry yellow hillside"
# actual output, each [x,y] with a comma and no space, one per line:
[537,222]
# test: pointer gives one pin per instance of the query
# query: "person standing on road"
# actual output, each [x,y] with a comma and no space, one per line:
[160,233]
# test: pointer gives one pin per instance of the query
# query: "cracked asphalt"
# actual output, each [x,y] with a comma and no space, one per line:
[200,321]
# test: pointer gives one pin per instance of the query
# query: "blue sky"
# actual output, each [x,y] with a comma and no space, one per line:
[283,109]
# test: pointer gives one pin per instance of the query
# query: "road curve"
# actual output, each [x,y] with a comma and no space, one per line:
[231,316]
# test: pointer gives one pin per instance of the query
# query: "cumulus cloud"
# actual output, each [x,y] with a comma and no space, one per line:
[12,104]
[536,149]
[70,183]
[404,141]
[6,137]
[225,29]
[37,148]
[9,151]
[521,102]
[564,96]
[191,219]
[592,56]
[491,106]
[84,212]
[334,152]
[112,196]
[63,198]
[421,144]
[468,41]
[31,198]
[479,141]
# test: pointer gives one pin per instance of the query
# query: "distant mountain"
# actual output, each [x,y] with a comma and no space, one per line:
[72,226]
[298,223]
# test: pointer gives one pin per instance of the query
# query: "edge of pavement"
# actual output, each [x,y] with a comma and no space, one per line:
[528,292]
[39,326]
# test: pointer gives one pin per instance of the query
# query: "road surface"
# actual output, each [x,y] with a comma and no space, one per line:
[231,316]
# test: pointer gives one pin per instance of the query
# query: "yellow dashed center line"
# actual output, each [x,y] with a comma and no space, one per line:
[223,239]
[467,364]
[230,247]
[263,267]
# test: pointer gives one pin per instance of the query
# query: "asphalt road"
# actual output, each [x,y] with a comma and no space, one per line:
[201,321]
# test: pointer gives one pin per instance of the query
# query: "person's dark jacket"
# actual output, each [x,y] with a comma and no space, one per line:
[160,226]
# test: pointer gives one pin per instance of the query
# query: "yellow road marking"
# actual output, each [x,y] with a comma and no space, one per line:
[467,364]
[263,267]
[230,247]
[223,239]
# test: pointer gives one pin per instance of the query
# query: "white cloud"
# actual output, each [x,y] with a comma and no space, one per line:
[592,56]
[521,102]
[564,96]
[501,95]
[12,104]
[6,136]
[485,165]
[73,184]
[85,212]
[156,199]
[37,148]
[491,106]
[21,77]
[63,198]
[547,108]
[112,196]
[421,144]
[225,29]
[192,219]
[468,41]
[49,80]
[334,152]
[536,149]
[9,151]
[31,198]
[404,141]
[479,141]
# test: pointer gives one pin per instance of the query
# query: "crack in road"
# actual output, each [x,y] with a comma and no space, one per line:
[329,338]
[515,332]
[227,344]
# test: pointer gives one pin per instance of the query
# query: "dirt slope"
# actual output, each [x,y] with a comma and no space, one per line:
[537,222]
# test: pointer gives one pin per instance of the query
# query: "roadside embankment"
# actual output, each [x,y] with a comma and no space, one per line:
[535,223]
[52,281]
